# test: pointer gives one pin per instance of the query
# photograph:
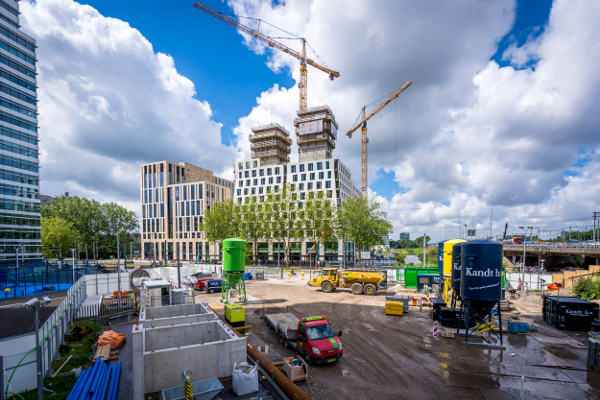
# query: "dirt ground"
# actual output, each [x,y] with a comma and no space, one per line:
[394,357]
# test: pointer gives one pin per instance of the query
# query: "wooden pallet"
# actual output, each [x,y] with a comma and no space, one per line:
[448,335]
[102,352]
[517,320]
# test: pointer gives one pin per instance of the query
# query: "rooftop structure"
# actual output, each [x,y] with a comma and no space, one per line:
[271,144]
[316,132]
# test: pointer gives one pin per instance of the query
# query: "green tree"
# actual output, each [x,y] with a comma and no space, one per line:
[119,223]
[58,237]
[91,219]
[222,221]
[365,222]
[252,222]
[319,219]
[281,213]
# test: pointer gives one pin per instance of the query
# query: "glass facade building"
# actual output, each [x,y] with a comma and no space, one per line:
[19,157]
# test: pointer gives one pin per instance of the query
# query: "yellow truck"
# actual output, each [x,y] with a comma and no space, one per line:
[367,281]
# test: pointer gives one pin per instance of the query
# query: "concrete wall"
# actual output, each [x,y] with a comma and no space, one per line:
[180,310]
[208,349]
[178,320]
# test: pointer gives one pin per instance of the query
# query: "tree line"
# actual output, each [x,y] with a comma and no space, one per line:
[288,217]
[74,222]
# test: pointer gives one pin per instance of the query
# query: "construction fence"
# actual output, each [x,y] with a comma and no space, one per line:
[20,359]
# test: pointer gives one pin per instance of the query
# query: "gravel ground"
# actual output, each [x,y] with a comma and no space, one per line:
[394,357]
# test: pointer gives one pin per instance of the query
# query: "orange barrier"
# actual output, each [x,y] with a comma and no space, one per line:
[113,338]
[123,294]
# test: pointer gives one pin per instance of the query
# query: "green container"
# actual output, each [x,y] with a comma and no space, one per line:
[234,255]
[410,275]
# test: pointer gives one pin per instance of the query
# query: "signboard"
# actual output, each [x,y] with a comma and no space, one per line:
[470,232]
[306,128]
[334,131]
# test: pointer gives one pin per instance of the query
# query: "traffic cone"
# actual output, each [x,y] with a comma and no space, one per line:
[302,275]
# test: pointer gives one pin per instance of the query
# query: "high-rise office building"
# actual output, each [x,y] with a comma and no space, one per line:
[404,235]
[174,198]
[19,165]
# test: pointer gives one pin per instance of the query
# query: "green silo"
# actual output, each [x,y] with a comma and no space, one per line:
[234,256]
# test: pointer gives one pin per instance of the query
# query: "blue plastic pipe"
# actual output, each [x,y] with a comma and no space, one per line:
[104,391]
[116,384]
[97,379]
[88,378]
[112,382]
[78,384]
[86,388]
[103,383]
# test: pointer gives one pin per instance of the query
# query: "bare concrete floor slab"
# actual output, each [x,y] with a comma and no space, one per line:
[391,357]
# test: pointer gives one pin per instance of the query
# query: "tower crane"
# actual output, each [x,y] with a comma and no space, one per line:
[363,122]
[302,85]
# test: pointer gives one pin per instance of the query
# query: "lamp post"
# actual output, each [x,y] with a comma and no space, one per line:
[73,267]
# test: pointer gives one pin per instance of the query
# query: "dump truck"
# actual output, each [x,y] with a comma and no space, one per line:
[367,281]
[312,337]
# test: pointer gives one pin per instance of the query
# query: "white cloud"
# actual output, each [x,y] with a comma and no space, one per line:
[467,129]
[109,103]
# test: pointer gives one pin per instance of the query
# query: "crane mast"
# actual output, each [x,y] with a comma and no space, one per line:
[302,85]
[364,139]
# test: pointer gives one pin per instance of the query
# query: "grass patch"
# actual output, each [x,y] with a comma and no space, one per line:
[80,350]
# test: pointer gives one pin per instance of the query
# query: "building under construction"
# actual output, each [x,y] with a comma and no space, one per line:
[271,144]
[316,132]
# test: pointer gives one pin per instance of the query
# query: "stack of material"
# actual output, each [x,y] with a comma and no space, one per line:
[394,307]
[517,325]
[113,338]
[98,382]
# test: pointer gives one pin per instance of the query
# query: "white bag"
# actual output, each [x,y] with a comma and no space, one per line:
[244,379]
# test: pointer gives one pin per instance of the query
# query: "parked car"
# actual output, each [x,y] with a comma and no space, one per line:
[201,285]
[573,241]
[592,243]
[214,285]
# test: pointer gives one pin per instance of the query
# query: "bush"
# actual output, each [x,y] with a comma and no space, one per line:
[587,288]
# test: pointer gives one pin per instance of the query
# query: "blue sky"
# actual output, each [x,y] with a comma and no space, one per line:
[207,51]
[523,129]
[234,75]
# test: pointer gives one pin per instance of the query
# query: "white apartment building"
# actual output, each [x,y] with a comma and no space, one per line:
[269,169]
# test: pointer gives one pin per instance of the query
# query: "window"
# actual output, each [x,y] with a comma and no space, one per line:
[247,174]
[301,186]
[328,174]
[293,187]
[276,188]
[293,170]
[262,198]
[254,173]
[329,194]
[255,182]
[260,190]
[253,190]
[177,193]
[310,167]
[321,175]
[268,189]
[254,164]
[309,186]
[328,184]
[185,192]
[269,171]
[326,164]
[299,205]
[246,192]
[261,172]
[278,180]
[247,182]
[294,178]
[241,183]
[319,166]
[239,192]
[302,196]
[240,174]
[276,170]
[240,165]
[247,164]
[301,167]
[312,176]
[303,177]
[263,181]
[318,185]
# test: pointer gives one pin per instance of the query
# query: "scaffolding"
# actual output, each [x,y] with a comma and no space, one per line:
[316,132]
[270,143]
